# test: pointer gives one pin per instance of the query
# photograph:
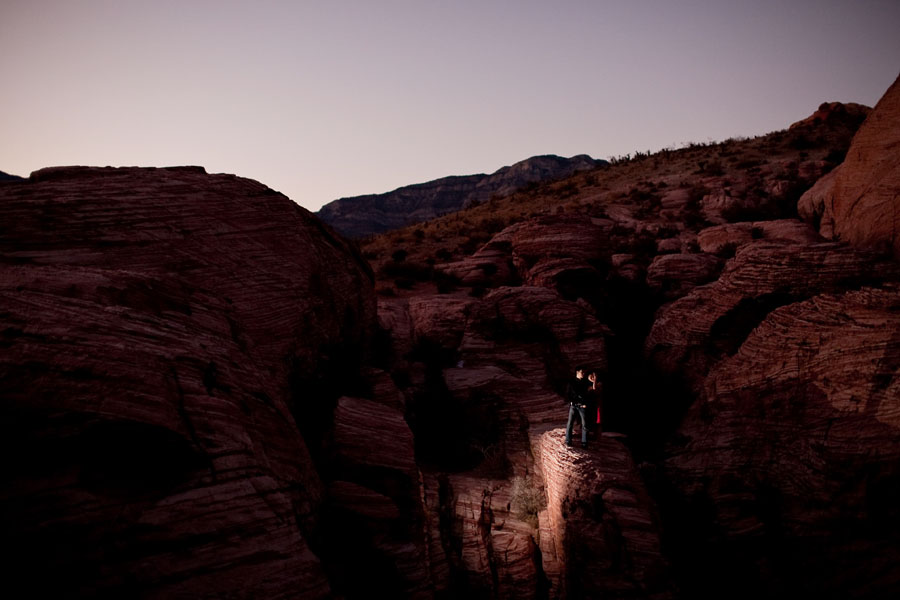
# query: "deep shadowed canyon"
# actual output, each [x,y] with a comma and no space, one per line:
[206,392]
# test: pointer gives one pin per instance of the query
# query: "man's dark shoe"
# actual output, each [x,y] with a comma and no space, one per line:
[584,444]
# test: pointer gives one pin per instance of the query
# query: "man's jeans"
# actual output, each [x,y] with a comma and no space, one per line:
[580,411]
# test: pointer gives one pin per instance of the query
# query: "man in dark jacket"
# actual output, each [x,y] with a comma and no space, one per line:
[580,395]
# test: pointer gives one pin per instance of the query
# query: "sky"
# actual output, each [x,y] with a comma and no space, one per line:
[322,100]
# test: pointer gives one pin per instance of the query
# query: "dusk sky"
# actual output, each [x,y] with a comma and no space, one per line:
[321,100]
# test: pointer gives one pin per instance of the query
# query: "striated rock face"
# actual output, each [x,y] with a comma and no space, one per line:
[376,528]
[859,203]
[674,275]
[560,252]
[166,334]
[603,525]
[367,215]
[792,452]
[715,239]
[692,333]
[475,422]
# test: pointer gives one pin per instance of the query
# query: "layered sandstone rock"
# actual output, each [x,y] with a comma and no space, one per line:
[692,333]
[790,454]
[478,417]
[716,239]
[859,204]
[567,253]
[604,531]
[376,527]
[674,275]
[164,335]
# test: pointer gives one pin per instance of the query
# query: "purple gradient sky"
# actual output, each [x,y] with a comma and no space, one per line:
[321,100]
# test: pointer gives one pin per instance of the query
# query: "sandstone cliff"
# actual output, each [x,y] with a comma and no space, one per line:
[859,201]
[361,216]
[167,336]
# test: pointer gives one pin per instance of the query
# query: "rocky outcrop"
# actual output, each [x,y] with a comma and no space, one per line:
[692,333]
[716,240]
[859,203]
[674,275]
[167,338]
[603,527]
[787,465]
[566,253]
[367,215]
[375,499]
[475,421]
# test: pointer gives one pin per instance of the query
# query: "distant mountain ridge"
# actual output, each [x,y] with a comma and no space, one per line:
[360,216]
[6,177]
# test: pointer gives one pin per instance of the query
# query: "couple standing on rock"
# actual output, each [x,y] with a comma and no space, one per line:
[583,395]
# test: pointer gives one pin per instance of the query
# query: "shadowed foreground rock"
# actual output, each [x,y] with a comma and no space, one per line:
[792,454]
[164,336]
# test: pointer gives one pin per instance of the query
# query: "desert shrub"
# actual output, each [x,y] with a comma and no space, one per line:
[493,224]
[488,269]
[477,291]
[527,500]
[757,233]
[728,250]
[568,190]
[399,255]
[801,141]
[713,167]
[493,462]
[445,282]
[748,163]
[474,242]
[407,270]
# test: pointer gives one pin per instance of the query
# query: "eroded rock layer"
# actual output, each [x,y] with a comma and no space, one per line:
[792,452]
[163,335]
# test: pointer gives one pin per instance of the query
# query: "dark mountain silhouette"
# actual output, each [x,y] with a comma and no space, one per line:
[361,216]
[6,177]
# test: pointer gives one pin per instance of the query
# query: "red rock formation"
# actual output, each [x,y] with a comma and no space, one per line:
[603,527]
[514,345]
[859,204]
[163,332]
[558,252]
[715,239]
[792,451]
[376,528]
[674,275]
[692,333]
